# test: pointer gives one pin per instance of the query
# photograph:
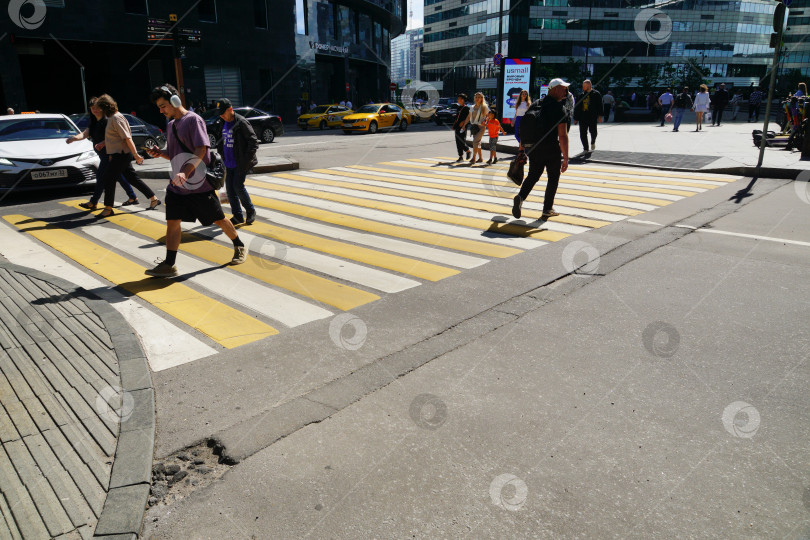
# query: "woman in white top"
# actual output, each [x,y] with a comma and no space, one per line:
[478,118]
[701,105]
[521,106]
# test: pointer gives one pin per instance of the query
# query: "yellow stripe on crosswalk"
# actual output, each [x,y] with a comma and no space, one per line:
[574,204]
[396,231]
[294,280]
[592,194]
[398,263]
[511,229]
[223,324]
[451,201]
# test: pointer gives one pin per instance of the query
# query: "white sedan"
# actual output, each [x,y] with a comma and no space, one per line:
[33,154]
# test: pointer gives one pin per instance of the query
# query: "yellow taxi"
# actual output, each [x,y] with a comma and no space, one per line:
[324,116]
[373,117]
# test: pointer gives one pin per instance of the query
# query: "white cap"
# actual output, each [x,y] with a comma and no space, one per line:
[557,82]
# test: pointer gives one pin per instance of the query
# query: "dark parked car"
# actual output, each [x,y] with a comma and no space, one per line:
[267,126]
[446,115]
[144,134]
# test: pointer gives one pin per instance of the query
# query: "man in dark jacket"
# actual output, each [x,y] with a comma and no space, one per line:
[460,126]
[587,113]
[719,103]
[238,148]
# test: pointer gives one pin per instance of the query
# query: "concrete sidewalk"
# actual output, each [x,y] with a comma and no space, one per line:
[77,418]
[726,149]
[651,384]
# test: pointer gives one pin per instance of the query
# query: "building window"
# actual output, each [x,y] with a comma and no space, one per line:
[347,34]
[207,10]
[136,7]
[260,13]
[326,21]
[301,17]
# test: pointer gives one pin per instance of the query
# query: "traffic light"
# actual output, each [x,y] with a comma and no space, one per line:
[779,23]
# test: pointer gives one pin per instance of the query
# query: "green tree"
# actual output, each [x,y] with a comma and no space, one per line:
[691,74]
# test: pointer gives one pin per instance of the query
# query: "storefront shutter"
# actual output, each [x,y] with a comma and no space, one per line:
[223,82]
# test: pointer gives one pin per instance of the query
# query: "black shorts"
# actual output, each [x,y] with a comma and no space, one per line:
[204,207]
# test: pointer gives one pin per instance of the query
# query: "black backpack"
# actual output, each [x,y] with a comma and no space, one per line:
[531,130]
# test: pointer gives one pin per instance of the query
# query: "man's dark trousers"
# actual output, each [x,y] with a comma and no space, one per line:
[461,141]
[586,126]
[664,110]
[537,163]
[753,110]
[717,115]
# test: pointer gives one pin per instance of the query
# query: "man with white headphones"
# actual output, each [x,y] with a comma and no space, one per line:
[189,197]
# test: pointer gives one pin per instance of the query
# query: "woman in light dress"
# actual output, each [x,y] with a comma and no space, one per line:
[701,105]
[478,117]
[521,106]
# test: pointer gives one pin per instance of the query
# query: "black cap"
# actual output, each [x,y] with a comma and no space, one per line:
[223,105]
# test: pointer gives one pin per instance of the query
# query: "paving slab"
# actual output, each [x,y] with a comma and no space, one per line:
[62,404]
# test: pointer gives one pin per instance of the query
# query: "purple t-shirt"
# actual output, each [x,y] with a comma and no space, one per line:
[191,130]
[227,145]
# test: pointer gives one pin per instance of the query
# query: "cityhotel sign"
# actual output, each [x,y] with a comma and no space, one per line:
[328,48]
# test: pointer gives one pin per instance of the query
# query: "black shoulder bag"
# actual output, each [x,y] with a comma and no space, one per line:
[214,171]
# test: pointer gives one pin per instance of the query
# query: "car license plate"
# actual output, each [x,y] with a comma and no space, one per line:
[46,175]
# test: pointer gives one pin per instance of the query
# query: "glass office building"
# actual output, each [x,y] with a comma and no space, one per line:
[406,56]
[727,40]
[343,48]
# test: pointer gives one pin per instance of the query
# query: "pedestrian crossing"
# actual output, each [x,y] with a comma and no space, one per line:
[325,241]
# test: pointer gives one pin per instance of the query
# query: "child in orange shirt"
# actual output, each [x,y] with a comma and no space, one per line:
[494,128]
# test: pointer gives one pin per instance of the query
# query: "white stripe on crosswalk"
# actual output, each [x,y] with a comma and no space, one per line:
[579,187]
[419,251]
[560,196]
[406,221]
[330,266]
[436,207]
[505,192]
[617,173]
[164,343]
[253,295]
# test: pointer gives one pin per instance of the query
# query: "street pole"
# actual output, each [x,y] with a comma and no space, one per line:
[588,39]
[84,89]
[500,29]
[178,65]
[776,41]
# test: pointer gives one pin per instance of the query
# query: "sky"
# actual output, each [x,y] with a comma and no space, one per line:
[415,12]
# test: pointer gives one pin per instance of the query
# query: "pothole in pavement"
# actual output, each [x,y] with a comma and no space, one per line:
[184,472]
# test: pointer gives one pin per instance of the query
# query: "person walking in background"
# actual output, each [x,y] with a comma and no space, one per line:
[460,126]
[754,100]
[719,103]
[545,141]
[238,147]
[121,151]
[9,111]
[521,106]
[189,196]
[802,91]
[312,105]
[588,113]
[494,129]
[701,106]
[607,104]
[348,104]
[95,131]
[683,101]
[665,102]
[735,103]
[478,119]
[568,108]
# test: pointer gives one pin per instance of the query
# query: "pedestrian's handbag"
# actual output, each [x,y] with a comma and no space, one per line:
[515,173]
[707,117]
[474,129]
[214,171]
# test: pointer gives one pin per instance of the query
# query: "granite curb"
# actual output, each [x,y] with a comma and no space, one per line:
[125,504]
[283,165]
[764,172]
